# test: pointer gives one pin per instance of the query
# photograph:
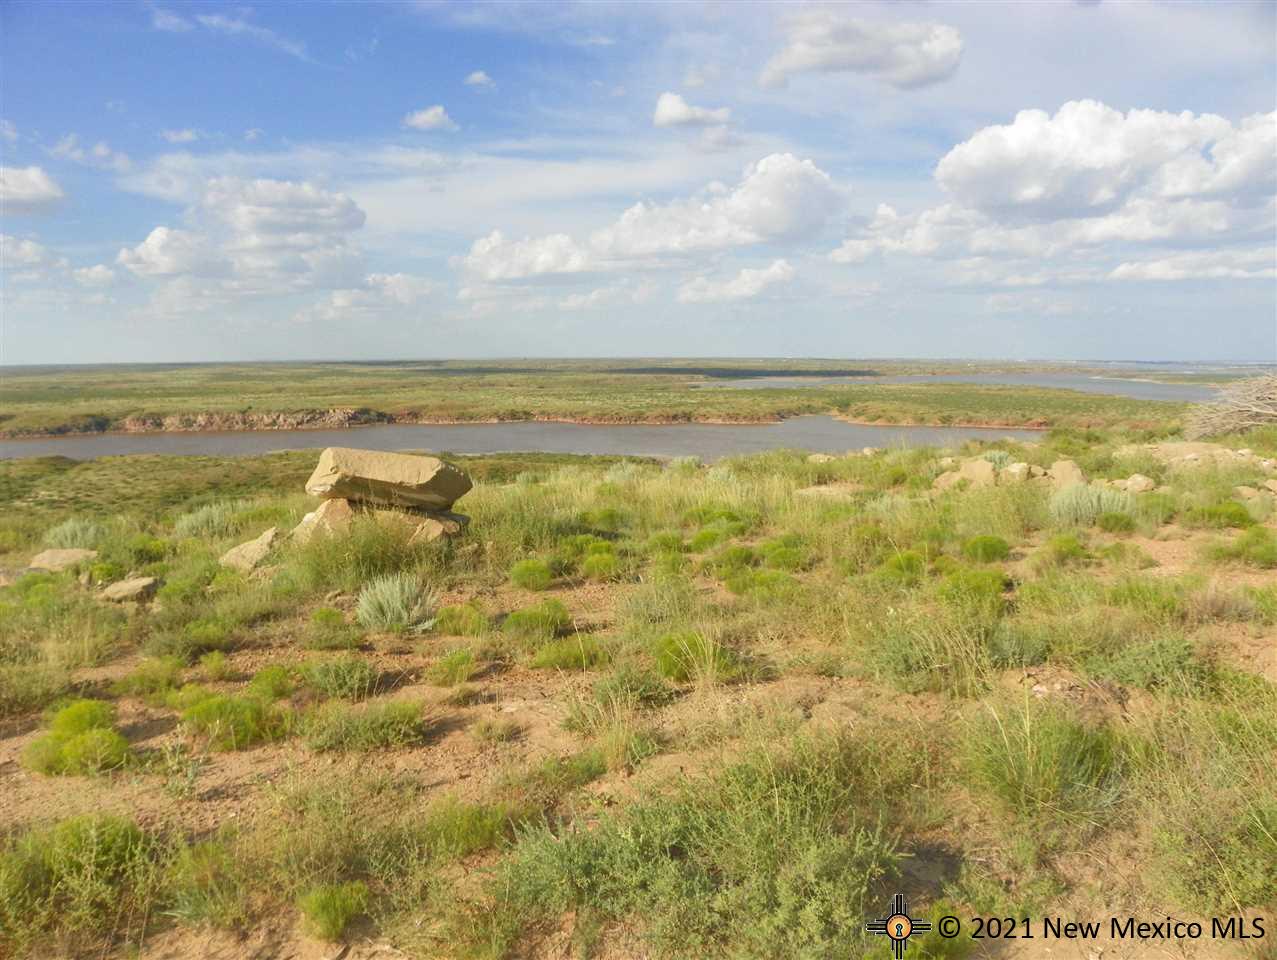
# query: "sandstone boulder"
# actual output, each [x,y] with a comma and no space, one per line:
[136,590]
[1014,473]
[1271,485]
[820,458]
[1066,473]
[979,472]
[1138,483]
[1246,493]
[331,516]
[438,525]
[391,479]
[248,555]
[55,561]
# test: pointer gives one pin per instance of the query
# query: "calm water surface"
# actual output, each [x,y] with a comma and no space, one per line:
[707,441]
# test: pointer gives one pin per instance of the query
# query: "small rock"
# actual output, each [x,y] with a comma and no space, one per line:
[946,480]
[55,561]
[1246,493]
[1271,485]
[248,555]
[1014,473]
[1245,452]
[820,458]
[135,589]
[1138,483]
[869,451]
[1066,473]
[980,472]
[331,516]
[1036,472]
[948,463]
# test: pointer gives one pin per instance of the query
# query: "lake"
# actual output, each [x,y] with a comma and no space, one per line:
[708,441]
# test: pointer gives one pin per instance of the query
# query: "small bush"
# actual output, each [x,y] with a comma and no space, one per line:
[393,603]
[905,567]
[336,726]
[348,677]
[327,910]
[578,652]
[463,620]
[1116,523]
[80,741]
[1164,661]
[1062,550]
[75,532]
[601,566]
[153,678]
[211,521]
[1230,513]
[1257,547]
[215,666]
[531,574]
[454,667]
[495,729]
[273,682]
[986,549]
[329,630]
[234,723]
[542,622]
[1080,505]
[686,656]
[632,685]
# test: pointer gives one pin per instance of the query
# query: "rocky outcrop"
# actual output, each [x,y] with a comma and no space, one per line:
[247,556]
[331,516]
[235,420]
[820,458]
[1065,473]
[388,479]
[55,561]
[133,590]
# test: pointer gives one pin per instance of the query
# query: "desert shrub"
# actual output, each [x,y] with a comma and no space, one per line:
[577,652]
[454,667]
[328,630]
[81,740]
[1217,516]
[393,602]
[667,541]
[211,521]
[632,685]
[495,729]
[531,574]
[367,550]
[349,677]
[762,586]
[1168,660]
[1256,547]
[1115,522]
[462,620]
[905,567]
[273,682]
[541,622]
[338,726]
[153,678]
[980,593]
[1080,505]
[986,549]
[930,650]
[1156,508]
[690,655]
[75,532]
[601,566]
[1062,550]
[235,723]
[1039,761]
[328,909]
[215,666]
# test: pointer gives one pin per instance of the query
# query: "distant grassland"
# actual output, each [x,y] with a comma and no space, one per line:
[246,396]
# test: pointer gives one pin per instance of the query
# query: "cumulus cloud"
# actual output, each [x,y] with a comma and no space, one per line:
[1258,264]
[27,190]
[235,27]
[480,78]
[180,136]
[8,131]
[494,258]
[99,275]
[623,292]
[904,55]
[673,111]
[431,118]
[169,22]
[24,253]
[746,285]
[255,207]
[380,294]
[167,253]
[99,155]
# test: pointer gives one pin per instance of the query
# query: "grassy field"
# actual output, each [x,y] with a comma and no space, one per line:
[636,709]
[226,396]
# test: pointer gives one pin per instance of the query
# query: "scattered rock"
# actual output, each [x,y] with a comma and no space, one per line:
[869,451]
[1271,485]
[1036,472]
[1065,473]
[948,463]
[1014,473]
[331,516]
[135,589]
[1246,493]
[438,525]
[820,458]
[248,555]
[1138,483]
[55,561]
[392,479]
[980,472]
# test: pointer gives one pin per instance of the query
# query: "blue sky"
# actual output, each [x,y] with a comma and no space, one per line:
[208,181]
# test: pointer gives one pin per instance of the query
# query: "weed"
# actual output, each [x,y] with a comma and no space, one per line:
[235,723]
[1080,505]
[1116,523]
[531,574]
[393,603]
[329,630]
[495,729]
[578,652]
[273,682]
[536,624]
[152,680]
[349,677]
[688,656]
[336,726]
[81,740]
[327,910]
[601,566]
[1256,547]
[454,667]
[464,620]
[986,549]
[215,666]
[1230,513]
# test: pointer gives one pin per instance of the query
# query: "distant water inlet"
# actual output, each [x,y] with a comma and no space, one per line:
[707,441]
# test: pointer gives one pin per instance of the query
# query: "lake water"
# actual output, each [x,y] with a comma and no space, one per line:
[707,441]
[1112,386]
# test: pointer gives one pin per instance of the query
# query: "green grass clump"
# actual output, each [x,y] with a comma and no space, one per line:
[578,652]
[328,630]
[1165,661]
[1256,547]
[979,593]
[365,552]
[328,909]
[393,603]
[215,666]
[1116,523]
[542,622]
[211,521]
[205,883]
[79,883]
[153,678]
[1080,505]
[1230,513]
[272,682]
[1062,550]
[337,726]
[454,667]
[1041,762]
[689,655]
[905,567]
[349,677]
[601,567]
[532,574]
[462,620]
[986,549]
[75,532]
[235,723]
[81,741]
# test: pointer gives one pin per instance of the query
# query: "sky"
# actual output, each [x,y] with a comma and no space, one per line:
[210,181]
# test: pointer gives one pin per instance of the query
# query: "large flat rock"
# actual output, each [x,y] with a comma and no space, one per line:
[392,479]
[57,560]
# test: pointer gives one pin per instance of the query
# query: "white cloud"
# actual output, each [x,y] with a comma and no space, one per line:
[673,111]
[905,55]
[699,75]
[169,22]
[234,27]
[253,133]
[27,190]
[99,275]
[268,207]
[480,78]
[180,136]
[431,118]
[494,258]
[20,252]
[8,131]
[623,292]
[1258,264]
[381,294]
[779,198]
[168,253]
[99,155]
[746,285]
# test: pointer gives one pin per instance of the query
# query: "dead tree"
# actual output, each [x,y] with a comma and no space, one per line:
[1240,406]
